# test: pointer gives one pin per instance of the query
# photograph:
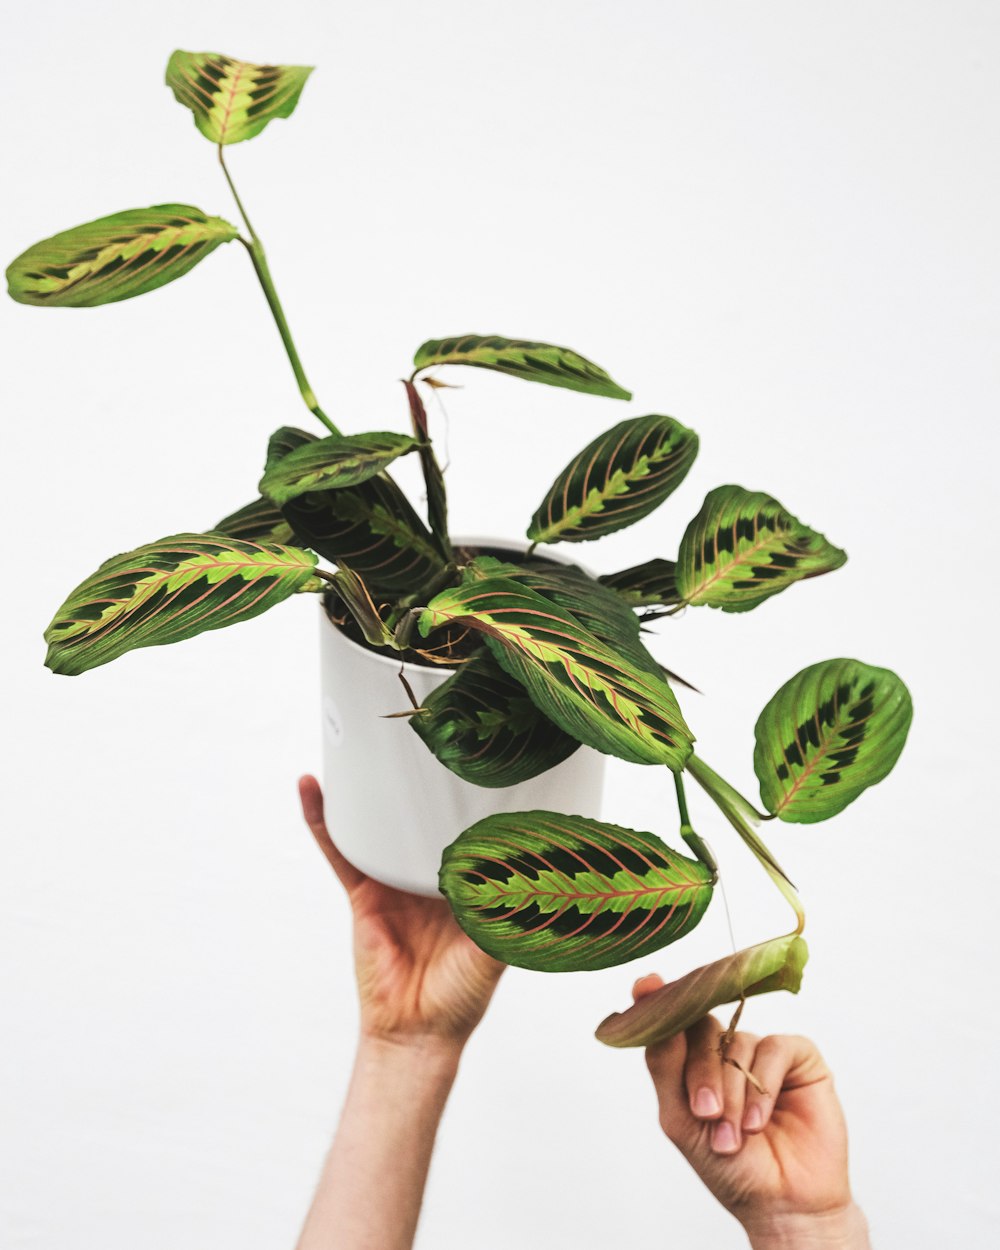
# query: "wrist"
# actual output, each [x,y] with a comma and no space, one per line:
[842,1229]
[431,1056]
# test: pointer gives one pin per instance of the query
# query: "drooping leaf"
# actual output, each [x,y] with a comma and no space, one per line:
[481,724]
[233,100]
[358,601]
[116,257]
[333,463]
[646,585]
[257,522]
[616,480]
[437,495]
[656,1017]
[835,729]
[561,893]
[586,687]
[743,547]
[169,590]
[536,362]
[371,527]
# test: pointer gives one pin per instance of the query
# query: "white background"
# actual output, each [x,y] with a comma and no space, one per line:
[775,221]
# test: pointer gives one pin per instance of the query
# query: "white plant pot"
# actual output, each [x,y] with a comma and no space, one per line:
[391,807]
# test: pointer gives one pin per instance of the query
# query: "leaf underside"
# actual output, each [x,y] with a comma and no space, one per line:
[559,893]
[535,362]
[829,733]
[616,480]
[333,463]
[116,257]
[646,585]
[371,527]
[588,688]
[743,547]
[170,590]
[481,724]
[233,100]
[656,1017]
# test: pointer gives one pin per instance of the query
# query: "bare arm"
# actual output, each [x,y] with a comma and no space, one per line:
[424,987]
[776,1160]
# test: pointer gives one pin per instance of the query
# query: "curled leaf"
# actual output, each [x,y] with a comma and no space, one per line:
[773,965]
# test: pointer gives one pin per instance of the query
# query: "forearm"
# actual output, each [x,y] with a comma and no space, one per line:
[370,1192]
[838,1230]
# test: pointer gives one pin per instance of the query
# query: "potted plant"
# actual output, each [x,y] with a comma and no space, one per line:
[521,669]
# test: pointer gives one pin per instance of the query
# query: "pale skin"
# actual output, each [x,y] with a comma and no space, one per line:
[777,1161]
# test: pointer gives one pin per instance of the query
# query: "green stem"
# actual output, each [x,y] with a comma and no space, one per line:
[682,806]
[702,850]
[259,260]
[740,813]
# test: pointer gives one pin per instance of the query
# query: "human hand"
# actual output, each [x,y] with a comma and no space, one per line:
[420,979]
[776,1160]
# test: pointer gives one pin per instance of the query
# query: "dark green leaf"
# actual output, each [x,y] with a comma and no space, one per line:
[835,729]
[170,590]
[358,601]
[536,362]
[481,724]
[233,100]
[646,585]
[656,1017]
[257,522]
[332,463]
[743,547]
[116,257]
[586,687]
[616,480]
[561,893]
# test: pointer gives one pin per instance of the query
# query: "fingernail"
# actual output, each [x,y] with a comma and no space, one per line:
[705,1102]
[754,1118]
[724,1138]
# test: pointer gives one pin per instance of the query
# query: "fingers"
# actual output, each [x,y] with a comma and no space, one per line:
[717,1091]
[780,1064]
[311,797]
[646,985]
[665,1062]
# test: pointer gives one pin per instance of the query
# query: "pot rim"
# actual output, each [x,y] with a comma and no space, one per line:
[464,540]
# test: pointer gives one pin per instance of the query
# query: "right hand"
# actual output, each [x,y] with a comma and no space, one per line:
[776,1160]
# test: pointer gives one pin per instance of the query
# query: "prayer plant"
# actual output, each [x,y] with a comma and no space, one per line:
[546,657]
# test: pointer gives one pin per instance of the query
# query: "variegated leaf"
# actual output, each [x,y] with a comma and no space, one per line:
[371,527]
[170,590]
[656,1017]
[333,463]
[616,480]
[257,522]
[481,724]
[561,893]
[116,257]
[586,687]
[835,729]
[536,362]
[743,547]
[646,585]
[233,100]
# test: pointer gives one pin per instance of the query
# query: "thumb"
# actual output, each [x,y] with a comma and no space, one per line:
[311,797]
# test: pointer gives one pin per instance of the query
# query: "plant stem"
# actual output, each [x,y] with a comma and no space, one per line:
[740,814]
[702,850]
[259,260]
[682,806]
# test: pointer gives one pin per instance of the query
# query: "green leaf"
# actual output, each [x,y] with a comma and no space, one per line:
[356,598]
[586,687]
[835,729]
[656,1017]
[371,527]
[116,257]
[170,590]
[646,585]
[233,100]
[561,893]
[481,724]
[333,463]
[257,522]
[536,362]
[743,547]
[616,480]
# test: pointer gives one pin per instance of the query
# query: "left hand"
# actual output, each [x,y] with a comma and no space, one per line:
[420,979]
